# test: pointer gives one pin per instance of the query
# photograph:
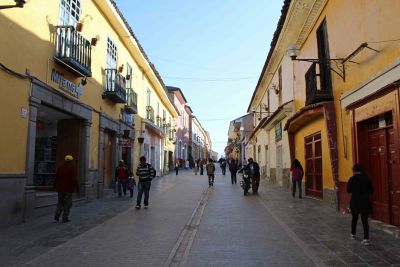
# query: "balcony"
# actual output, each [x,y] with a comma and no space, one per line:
[114,86]
[73,51]
[131,101]
[316,91]
[150,113]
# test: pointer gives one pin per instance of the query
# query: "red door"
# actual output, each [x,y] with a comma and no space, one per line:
[313,170]
[393,178]
[377,169]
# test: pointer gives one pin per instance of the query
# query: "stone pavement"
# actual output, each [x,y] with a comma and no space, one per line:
[189,224]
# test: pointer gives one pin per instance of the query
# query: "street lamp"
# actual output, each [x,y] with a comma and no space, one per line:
[18,3]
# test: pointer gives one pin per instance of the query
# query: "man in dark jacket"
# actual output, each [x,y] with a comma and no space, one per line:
[146,173]
[253,170]
[360,186]
[65,184]
[233,168]
[122,177]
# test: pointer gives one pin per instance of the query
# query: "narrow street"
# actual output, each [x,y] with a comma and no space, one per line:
[189,224]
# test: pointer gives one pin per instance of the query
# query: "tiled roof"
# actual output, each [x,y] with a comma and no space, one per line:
[301,111]
[140,46]
[278,30]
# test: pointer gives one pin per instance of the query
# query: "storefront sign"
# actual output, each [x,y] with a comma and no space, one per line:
[127,118]
[125,142]
[278,131]
[66,85]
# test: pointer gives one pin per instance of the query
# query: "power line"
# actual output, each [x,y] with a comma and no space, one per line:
[216,79]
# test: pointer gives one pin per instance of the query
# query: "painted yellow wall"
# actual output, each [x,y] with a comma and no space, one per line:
[30,45]
[313,127]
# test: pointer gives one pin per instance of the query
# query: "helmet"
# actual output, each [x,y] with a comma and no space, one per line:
[68,158]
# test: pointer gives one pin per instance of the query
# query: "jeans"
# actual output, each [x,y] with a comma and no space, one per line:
[364,220]
[143,187]
[64,205]
[255,182]
[223,170]
[233,177]
[176,171]
[211,179]
[201,170]
[298,182]
[122,185]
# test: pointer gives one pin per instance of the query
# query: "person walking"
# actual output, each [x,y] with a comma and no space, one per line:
[146,173]
[121,177]
[223,166]
[254,172]
[233,168]
[201,165]
[360,187]
[65,184]
[196,167]
[210,167]
[297,177]
[176,167]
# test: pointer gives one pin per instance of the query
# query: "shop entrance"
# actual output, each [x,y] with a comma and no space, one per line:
[108,159]
[378,158]
[57,134]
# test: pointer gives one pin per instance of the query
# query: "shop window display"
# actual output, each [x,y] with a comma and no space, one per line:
[45,160]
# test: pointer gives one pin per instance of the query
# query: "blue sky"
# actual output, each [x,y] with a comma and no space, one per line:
[214,50]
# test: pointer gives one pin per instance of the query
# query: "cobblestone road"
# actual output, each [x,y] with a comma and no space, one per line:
[189,224]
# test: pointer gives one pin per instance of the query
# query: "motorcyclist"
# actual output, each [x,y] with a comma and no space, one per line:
[253,169]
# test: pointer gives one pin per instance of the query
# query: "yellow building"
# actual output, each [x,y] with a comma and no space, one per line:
[72,76]
[346,82]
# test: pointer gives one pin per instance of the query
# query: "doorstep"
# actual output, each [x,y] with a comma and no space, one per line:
[387,228]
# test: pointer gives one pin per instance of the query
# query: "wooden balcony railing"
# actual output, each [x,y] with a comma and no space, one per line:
[150,113]
[114,86]
[316,91]
[131,101]
[73,50]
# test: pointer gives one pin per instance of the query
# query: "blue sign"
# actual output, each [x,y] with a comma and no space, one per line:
[66,85]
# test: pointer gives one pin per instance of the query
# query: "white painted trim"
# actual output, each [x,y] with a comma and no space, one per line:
[385,77]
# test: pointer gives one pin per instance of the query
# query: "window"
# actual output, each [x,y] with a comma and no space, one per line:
[280,86]
[148,97]
[128,75]
[323,55]
[111,54]
[70,12]
[278,131]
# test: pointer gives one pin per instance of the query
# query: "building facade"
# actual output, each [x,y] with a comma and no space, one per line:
[77,84]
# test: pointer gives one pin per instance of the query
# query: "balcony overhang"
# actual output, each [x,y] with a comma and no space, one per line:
[154,128]
[304,116]
[73,66]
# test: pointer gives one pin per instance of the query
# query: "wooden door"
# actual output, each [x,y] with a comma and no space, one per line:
[107,169]
[69,142]
[377,169]
[313,158]
[393,178]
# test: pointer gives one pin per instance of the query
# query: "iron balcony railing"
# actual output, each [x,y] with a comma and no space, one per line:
[74,50]
[150,113]
[316,91]
[114,86]
[131,101]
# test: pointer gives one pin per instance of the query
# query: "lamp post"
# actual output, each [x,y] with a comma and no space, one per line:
[18,3]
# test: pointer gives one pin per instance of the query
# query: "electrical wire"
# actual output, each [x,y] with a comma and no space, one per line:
[384,41]
[14,73]
[199,79]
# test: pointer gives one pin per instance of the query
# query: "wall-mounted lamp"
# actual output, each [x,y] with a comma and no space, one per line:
[83,81]
[18,3]
[293,52]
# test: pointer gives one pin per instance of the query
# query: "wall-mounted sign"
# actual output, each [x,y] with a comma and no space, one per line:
[127,118]
[24,112]
[125,142]
[76,90]
[278,131]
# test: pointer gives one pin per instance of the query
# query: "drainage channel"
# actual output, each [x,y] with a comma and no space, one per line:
[181,249]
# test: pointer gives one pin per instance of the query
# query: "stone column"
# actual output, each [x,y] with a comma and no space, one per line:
[86,183]
[30,191]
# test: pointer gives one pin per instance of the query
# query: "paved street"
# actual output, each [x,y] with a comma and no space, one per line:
[189,224]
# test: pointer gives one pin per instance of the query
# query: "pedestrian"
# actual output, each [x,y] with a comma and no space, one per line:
[223,166]
[196,167]
[176,167]
[210,167]
[146,173]
[297,177]
[233,168]
[201,163]
[65,184]
[131,183]
[121,178]
[360,187]
[254,172]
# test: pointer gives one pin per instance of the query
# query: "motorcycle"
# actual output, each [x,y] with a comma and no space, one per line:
[245,183]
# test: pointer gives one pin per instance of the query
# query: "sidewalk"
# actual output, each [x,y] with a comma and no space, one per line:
[324,234]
